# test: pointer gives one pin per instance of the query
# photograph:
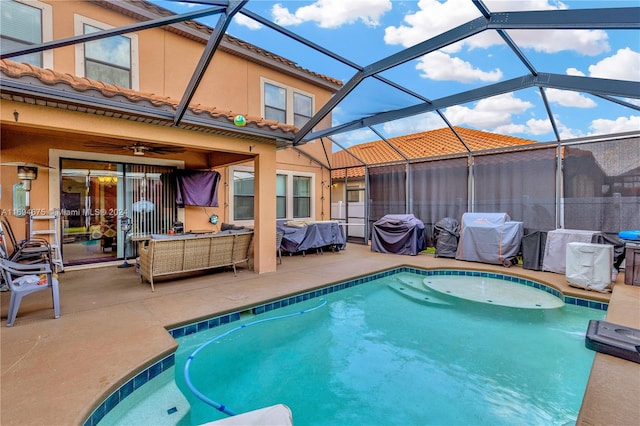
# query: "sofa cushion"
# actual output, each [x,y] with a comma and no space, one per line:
[170,236]
[241,230]
[230,226]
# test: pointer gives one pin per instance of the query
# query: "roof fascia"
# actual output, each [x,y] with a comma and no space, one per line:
[147,113]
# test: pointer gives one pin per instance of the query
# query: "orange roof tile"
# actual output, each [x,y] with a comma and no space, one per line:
[81,84]
[432,143]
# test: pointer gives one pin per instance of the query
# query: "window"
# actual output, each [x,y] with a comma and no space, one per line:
[281,196]
[108,59]
[301,109]
[294,194]
[278,102]
[26,24]
[112,60]
[301,196]
[243,195]
[275,103]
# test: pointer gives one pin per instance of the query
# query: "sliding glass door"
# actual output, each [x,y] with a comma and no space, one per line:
[95,196]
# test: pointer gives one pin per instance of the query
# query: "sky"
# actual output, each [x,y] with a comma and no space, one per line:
[366,31]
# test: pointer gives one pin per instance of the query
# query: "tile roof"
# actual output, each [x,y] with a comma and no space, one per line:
[433,143]
[50,77]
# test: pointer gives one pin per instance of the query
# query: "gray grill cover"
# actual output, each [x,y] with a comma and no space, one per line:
[489,238]
[447,232]
[398,234]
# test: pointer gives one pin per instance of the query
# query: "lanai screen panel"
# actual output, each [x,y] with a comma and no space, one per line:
[521,183]
[439,189]
[602,185]
[387,190]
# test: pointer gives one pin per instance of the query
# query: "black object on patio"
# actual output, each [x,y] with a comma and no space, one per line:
[398,234]
[447,232]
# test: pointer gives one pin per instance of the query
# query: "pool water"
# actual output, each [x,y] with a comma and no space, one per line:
[375,355]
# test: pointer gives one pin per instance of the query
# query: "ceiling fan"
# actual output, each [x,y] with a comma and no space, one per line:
[137,148]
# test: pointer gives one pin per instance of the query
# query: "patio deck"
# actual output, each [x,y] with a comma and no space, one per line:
[57,371]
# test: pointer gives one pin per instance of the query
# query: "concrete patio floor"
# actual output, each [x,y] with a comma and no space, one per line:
[55,372]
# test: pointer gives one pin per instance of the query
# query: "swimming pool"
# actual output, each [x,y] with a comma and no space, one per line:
[439,376]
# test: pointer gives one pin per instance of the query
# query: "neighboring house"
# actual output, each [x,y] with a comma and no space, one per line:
[103,122]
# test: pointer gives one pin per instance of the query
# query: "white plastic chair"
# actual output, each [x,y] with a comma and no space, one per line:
[24,279]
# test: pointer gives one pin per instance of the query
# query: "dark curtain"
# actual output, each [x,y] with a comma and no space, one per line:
[197,188]
[521,184]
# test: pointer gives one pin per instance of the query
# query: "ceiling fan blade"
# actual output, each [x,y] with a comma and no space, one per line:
[104,145]
[138,148]
[167,150]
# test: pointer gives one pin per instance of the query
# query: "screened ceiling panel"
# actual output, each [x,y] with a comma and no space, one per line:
[541,71]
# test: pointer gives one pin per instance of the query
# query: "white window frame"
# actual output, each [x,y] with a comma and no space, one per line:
[47,28]
[289,104]
[290,174]
[78,22]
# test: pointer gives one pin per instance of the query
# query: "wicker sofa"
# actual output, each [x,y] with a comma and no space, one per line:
[169,255]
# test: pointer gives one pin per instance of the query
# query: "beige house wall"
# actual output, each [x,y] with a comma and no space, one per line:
[165,65]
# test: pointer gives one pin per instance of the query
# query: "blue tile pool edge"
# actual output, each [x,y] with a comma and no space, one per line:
[169,361]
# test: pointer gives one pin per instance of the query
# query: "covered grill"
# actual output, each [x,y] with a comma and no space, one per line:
[398,234]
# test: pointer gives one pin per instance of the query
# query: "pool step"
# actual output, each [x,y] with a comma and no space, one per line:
[417,294]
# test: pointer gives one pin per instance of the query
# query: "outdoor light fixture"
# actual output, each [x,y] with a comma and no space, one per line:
[26,174]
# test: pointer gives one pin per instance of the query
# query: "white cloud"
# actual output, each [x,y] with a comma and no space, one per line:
[568,133]
[440,66]
[431,19]
[569,98]
[510,129]
[632,101]
[538,127]
[435,17]
[620,124]
[354,137]
[245,21]
[585,42]
[575,71]
[623,65]
[488,113]
[333,13]
[415,124]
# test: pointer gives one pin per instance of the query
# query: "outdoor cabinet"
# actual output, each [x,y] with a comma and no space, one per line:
[632,262]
